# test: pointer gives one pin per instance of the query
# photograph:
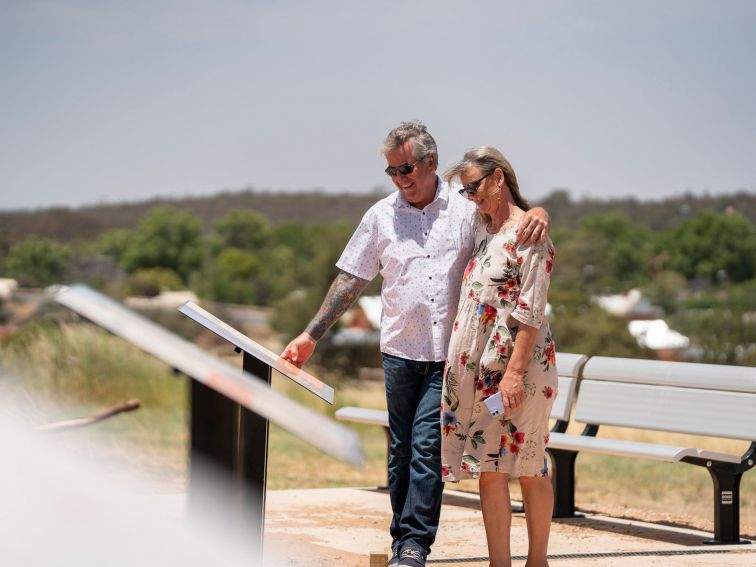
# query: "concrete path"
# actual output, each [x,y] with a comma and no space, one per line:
[342,526]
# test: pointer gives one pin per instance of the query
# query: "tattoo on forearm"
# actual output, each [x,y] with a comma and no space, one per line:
[344,291]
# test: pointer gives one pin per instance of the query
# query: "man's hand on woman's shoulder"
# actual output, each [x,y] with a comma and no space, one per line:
[534,226]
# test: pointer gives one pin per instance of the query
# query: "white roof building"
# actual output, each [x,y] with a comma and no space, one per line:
[164,300]
[7,287]
[631,304]
[656,334]
[371,306]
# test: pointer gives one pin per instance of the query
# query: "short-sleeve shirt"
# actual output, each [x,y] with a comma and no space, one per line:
[421,254]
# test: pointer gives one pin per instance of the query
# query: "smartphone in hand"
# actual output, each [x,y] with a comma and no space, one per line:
[494,404]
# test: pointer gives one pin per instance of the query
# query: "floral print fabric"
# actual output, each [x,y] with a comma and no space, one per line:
[503,285]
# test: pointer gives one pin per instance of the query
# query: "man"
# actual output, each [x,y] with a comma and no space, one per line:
[419,239]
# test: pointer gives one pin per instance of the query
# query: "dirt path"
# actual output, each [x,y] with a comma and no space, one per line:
[343,526]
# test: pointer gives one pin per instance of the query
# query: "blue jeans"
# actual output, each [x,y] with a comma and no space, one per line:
[413,396]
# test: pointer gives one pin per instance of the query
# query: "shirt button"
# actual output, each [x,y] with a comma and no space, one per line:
[428,256]
[434,322]
[425,234]
[432,300]
[430,277]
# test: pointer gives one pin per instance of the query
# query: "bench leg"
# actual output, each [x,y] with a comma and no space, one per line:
[726,504]
[563,482]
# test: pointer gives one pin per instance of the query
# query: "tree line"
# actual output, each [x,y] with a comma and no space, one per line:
[700,268]
[316,207]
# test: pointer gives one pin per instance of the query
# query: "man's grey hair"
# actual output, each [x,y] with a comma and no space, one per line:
[423,144]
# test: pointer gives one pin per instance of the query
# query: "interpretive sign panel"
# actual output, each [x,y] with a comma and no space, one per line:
[241,387]
[243,342]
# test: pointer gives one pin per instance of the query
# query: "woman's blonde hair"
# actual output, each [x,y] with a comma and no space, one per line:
[487,159]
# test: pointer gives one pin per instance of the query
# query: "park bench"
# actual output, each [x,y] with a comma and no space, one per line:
[697,399]
[568,368]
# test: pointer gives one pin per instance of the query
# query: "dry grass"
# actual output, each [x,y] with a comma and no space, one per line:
[294,463]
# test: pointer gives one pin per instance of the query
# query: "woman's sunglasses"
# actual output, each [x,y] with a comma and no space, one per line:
[404,169]
[472,187]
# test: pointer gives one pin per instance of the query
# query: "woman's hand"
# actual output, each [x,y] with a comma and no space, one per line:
[512,391]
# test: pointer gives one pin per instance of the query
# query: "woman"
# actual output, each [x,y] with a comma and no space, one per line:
[503,295]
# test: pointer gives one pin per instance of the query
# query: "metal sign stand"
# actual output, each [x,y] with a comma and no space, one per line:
[231,437]
[232,442]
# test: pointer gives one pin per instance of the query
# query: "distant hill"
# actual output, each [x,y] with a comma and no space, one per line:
[66,224]
[656,215]
[85,223]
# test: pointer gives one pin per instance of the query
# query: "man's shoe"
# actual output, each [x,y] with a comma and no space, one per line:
[412,558]
[394,561]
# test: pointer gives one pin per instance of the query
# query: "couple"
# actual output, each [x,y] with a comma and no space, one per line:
[428,243]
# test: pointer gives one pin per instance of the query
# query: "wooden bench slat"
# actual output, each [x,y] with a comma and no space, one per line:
[664,408]
[363,415]
[569,364]
[621,447]
[562,407]
[627,448]
[560,410]
[717,456]
[680,374]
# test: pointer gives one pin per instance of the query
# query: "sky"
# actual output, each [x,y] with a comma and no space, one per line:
[105,102]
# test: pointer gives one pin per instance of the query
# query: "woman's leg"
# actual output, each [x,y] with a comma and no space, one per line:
[497,516]
[538,498]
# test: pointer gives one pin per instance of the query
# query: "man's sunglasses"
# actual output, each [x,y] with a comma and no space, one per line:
[404,169]
[472,187]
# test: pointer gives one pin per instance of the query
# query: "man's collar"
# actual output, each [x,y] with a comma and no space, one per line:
[442,195]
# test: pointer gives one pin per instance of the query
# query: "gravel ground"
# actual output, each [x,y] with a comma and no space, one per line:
[343,526]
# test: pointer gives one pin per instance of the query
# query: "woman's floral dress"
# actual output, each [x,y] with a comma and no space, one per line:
[504,284]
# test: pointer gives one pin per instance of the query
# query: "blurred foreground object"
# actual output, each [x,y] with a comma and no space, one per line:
[223,432]
[112,411]
[59,509]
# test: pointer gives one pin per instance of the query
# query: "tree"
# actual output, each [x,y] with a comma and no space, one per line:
[165,238]
[581,326]
[314,273]
[299,237]
[621,248]
[151,281]
[245,230]
[720,323]
[37,262]
[115,242]
[666,290]
[715,246]
[228,276]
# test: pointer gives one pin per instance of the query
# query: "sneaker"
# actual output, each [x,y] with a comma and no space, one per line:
[412,558]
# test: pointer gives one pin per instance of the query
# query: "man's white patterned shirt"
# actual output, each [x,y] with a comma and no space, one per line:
[421,254]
